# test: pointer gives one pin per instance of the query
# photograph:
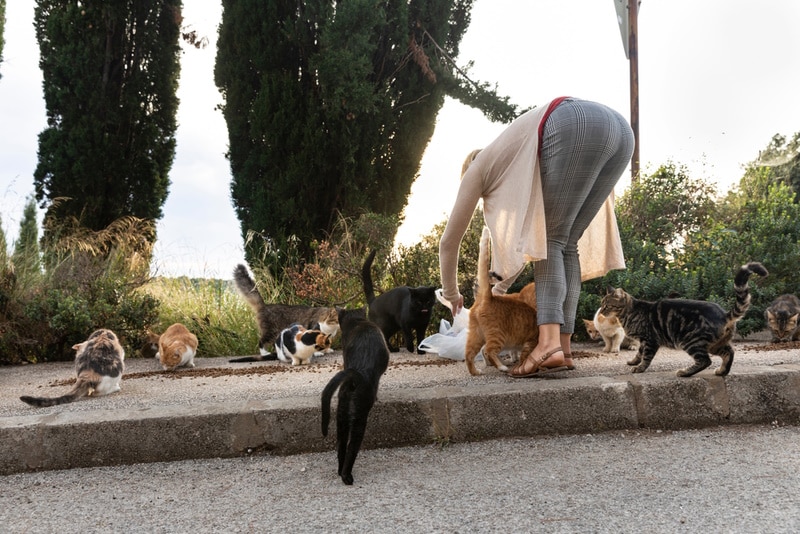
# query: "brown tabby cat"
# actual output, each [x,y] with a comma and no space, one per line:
[782,317]
[177,347]
[273,318]
[99,364]
[498,323]
[700,328]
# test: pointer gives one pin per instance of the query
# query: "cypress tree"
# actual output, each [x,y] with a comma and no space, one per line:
[110,77]
[26,257]
[330,106]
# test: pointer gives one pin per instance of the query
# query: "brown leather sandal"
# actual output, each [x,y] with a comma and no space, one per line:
[569,367]
[539,368]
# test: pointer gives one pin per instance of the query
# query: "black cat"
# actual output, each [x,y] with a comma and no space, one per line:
[402,309]
[366,358]
[698,327]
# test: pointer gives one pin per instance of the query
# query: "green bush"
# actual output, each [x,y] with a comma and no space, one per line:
[89,280]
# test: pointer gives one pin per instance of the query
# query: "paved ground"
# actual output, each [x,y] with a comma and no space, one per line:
[222,409]
[734,479]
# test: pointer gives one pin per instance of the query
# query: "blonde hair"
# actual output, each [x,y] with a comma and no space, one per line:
[468,160]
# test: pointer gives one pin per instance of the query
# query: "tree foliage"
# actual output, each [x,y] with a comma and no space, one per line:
[666,205]
[26,257]
[694,252]
[330,105]
[110,78]
[782,157]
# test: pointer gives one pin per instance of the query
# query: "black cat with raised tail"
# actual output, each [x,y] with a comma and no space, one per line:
[401,309]
[366,357]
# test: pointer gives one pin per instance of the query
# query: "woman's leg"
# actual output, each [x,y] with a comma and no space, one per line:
[585,149]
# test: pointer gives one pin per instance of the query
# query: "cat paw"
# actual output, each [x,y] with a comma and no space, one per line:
[634,361]
[347,479]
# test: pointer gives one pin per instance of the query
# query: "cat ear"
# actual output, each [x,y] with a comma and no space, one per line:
[610,290]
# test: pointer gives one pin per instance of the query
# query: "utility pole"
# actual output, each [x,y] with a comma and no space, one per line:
[633,59]
[628,19]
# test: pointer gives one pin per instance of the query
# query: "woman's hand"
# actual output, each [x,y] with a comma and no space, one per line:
[457,305]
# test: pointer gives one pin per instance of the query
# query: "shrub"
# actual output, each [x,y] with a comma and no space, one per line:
[90,281]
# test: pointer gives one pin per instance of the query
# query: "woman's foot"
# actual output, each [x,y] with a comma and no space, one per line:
[568,363]
[552,360]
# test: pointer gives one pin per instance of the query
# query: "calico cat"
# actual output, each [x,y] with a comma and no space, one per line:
[498,322]
[782,317]
[610,330]
[402,309]
[177,347]
[366,357]
[700,328]
[295,345]
[99,364]
[273,318]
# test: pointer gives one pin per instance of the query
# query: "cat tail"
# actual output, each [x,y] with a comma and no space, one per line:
[743,290]
[484,265]
[247,287]
[259,358]
[366,277]
[337,380]
[82,388]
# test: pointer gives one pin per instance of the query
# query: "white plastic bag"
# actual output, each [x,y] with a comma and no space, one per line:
[450,341]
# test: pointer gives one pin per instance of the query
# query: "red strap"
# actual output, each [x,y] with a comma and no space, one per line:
[547,113]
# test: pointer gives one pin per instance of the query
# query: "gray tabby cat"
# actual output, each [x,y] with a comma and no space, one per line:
[700,328]
[99,363]
[273,318]
[782,317]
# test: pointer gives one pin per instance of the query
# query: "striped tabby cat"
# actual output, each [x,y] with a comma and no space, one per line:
[700,328]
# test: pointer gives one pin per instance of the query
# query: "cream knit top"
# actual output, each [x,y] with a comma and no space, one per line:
[506,175]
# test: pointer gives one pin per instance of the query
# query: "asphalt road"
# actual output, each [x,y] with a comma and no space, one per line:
[731,480]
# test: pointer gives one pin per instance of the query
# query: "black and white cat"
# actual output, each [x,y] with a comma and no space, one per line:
[698,327]
[295,345]
[402,309]
[99,364]
[366,358]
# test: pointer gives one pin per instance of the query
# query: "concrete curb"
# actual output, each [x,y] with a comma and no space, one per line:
[656,400]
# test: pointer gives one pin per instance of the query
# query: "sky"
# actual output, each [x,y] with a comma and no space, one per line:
[716,79]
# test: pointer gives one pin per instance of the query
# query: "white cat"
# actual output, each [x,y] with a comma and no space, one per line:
[610,329]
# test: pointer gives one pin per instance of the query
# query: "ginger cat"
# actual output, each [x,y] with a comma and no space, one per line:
[177,347]
[499,322]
